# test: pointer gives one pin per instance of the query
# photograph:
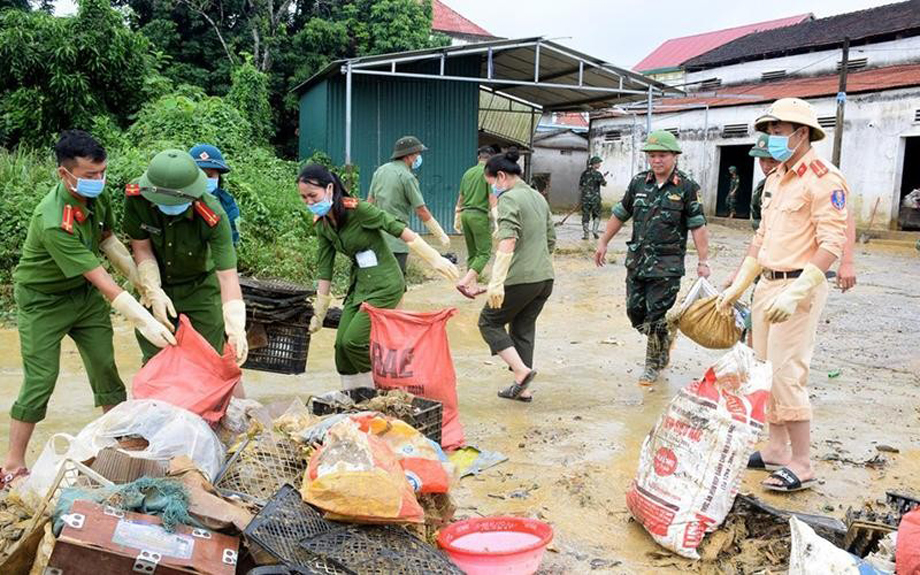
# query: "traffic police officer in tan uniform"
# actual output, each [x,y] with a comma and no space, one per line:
[802,233]
[61,290]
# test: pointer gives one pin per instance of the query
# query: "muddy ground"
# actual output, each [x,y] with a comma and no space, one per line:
[573,451]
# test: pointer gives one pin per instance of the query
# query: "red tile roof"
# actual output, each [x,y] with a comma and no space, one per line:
[873,80]
[446,20]
[575,119]
[676,51]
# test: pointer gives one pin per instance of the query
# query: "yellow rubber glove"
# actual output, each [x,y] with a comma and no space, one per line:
[235,328]
[749,271]
[458,222]
[153,296]
[441,265]
[784,305]
[320,307]
[117,253]
[435,228]
[494,213]
[152,330]
[496,291]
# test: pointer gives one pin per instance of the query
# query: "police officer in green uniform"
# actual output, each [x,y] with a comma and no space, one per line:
[474,205]
[664,203]
[357,230]
[590,184]
[522,275]
[61,290]
[211,161]
[734,184]
[394,189]
[185,258]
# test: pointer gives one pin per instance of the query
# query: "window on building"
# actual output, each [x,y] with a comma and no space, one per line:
[565,152]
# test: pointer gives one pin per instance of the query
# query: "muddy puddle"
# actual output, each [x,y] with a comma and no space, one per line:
[573,451]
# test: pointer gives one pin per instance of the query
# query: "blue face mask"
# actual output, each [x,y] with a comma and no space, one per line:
[212,184]
[778,146]
[88,188]
[417,163]
[496,191]
[320,208]
[174,210]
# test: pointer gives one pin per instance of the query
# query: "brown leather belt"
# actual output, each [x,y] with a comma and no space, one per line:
[775,275]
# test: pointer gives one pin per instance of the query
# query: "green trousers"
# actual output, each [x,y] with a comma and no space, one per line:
[200,301]
[478,239]
[519,311]
[648,301]
[44,319]
[353,338]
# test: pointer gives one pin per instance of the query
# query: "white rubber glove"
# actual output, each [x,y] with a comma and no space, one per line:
[320,307]
[153,296]
[496,291]
[440,264]
[494,213]
[435,228]
[235,328]
[117,253]
[152,330]
[749,271]
[458,222]
[784,305]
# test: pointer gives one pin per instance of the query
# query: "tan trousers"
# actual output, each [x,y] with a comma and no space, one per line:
[788,346]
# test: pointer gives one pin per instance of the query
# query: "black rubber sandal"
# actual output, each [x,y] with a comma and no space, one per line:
[755,461]
[790,482]
[515,390]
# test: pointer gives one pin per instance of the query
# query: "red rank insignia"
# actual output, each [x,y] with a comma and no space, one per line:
[79,215]
[818,168]
[350,203]
[67,219]
[801,170]
[207,214]
[132,190]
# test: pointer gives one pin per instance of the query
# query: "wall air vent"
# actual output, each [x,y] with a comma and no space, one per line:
[613,136]
[710,84]
[827,122]
[734,130]
[773,75]
[853,64]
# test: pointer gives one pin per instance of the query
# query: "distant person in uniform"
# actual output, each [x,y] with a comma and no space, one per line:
[589,185]
[734,184]
[211,161]
[475,203]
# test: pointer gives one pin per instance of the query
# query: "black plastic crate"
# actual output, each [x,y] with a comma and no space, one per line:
[288,344]
[427,419]
[274,288]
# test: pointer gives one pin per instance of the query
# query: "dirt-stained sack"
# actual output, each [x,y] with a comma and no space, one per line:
[691,462]
[708,327]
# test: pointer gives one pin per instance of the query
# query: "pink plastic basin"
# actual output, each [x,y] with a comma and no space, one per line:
[487,545]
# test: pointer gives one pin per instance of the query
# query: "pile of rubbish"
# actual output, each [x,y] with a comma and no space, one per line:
[150,484]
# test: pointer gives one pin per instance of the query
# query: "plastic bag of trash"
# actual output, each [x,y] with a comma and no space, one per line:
[698,319]
[907,556]
[410,351]
[912,200]
[60,446]
[811,554]
[190,375]
[691,462]
[355,476]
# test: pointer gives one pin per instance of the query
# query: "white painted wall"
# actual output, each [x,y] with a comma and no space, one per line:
[872,154]
[902,51]
[565,167]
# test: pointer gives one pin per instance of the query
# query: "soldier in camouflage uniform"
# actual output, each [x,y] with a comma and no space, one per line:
[733,185]
[590,184]
[664,203]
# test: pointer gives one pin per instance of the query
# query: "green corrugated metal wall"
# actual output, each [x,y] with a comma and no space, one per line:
[443,114]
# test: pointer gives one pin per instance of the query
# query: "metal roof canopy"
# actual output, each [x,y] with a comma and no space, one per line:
[535,71]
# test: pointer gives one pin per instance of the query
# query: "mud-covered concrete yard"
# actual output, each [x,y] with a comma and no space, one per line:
[573,451]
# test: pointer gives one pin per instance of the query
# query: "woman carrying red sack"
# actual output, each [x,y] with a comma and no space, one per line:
[356,229]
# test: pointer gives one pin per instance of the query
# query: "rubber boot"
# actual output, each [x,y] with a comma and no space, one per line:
[584,229]
[666,341]
[650,374]
[596,227]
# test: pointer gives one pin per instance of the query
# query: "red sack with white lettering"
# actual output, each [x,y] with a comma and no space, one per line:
[410,351]
[691,462]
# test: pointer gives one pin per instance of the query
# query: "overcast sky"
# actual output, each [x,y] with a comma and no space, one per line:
[623,33]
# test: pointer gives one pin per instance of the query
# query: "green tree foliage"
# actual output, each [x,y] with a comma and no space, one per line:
[61,73]
[249,94]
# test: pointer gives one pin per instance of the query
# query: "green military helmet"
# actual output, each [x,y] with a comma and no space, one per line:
[173,178]
[760,149]
[661,141]
[594,160]
[407,145]
[732,169]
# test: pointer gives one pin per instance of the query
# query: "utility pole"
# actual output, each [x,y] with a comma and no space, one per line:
[841,101]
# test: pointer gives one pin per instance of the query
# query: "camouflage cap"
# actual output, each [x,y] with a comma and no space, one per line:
[661,141]
[407,145]
[594,160]
[760,149]
[173,178]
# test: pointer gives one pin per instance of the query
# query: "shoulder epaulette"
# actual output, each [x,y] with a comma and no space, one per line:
[818,167]
[132,190]
[350,203]
[67,219]
[207,214]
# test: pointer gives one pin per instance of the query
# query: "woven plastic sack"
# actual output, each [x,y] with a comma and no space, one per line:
[190,375]
[410,351]
[907,556]
[706,326]
[691,462]
[356,476]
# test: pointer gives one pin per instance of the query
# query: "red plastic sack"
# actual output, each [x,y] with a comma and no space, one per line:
[190,375]
[907,556]
[410,351]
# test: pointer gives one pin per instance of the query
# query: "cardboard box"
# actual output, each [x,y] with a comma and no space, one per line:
[120,466]
[98,540]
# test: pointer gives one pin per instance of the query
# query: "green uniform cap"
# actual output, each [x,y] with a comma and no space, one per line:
[407,145]
[594,160]
[173,178]
[732,169]
[661,141]
[760,149]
